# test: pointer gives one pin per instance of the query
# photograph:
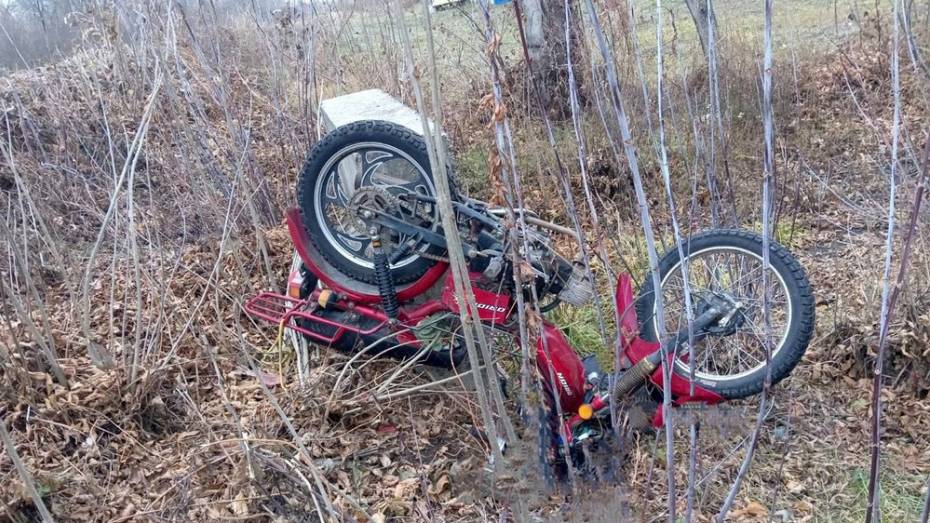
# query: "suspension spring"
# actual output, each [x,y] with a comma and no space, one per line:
[384,278]
[632,378]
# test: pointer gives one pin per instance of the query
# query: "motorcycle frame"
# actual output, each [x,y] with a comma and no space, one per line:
[557,362]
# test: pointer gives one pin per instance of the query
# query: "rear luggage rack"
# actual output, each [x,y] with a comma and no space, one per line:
[283,310]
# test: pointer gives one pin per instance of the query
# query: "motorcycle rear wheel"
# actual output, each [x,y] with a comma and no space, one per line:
[384,161]
[731,363]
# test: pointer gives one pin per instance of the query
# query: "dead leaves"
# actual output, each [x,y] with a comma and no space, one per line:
[750,511]
[268,379]
[495,174]
[440,486]
[405,488]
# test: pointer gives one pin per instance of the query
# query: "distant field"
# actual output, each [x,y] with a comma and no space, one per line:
[795,23]
[367,42]
[811,25]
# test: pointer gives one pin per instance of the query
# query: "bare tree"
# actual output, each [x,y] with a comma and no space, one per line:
[702,12]
[544,26]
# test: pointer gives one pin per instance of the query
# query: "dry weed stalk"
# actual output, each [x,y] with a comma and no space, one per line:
[505,154]
[892,299]
[629,146]
[539,406]
[768,172]
[683,247]
[873,508]
[578,129]
[562,178]
[24,474]
[436,153]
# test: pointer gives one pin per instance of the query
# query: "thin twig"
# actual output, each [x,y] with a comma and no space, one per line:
[768,168]
[24,474]
[873,511]
[456,255]
[629,146]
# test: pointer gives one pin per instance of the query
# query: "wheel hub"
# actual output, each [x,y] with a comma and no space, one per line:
[368,202]
[732,318]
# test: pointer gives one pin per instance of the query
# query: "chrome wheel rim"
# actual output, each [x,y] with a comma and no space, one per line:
[736,272]
[367,164]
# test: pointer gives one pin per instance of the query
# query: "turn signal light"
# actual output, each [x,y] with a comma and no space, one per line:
[324,297]
[585,411]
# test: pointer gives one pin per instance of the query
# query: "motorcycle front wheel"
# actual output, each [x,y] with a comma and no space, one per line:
[731,361]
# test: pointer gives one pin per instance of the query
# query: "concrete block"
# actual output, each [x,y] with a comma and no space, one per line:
[372,104]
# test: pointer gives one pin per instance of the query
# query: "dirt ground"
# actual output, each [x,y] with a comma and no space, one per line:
[216,425]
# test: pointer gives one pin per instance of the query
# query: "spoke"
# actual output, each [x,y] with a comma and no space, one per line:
[370,161]
[358,245]
[756,329]
[739,276]
[756,303]
[741,355]
[333,191]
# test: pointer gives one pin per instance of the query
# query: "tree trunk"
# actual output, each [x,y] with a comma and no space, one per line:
[702,19]
[544,21]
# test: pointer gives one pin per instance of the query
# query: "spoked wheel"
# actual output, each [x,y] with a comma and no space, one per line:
[370,168]
[728,263]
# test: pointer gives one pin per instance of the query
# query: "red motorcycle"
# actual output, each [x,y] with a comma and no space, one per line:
[374,277]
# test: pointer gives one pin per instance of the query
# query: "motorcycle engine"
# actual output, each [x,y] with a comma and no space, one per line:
[552,274]
[577,290]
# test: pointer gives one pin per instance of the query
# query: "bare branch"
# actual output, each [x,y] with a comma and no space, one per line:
[24,474]
[873,509]
[768,171]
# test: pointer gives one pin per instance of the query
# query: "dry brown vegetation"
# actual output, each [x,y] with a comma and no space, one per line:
[143,178]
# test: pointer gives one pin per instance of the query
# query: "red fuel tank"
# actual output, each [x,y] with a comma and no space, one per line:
[560,368]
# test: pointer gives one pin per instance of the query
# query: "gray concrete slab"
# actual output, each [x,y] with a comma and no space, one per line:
[372,104]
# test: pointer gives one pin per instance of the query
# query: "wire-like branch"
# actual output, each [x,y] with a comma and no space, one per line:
[24,474]
[683,252]
[562,179]
[873,510]
[447,215]
[620,114]
[896,291]
[98,354]
[768,172]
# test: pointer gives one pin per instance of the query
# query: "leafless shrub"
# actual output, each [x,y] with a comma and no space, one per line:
[147,150]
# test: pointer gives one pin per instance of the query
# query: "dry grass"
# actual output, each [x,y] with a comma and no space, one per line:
[184,424]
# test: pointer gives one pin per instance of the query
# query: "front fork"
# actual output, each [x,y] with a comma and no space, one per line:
[643,358]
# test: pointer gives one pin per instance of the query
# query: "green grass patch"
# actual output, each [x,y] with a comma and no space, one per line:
[901,497]
[796,23]
[471,168]
[787,232]
[580,325]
